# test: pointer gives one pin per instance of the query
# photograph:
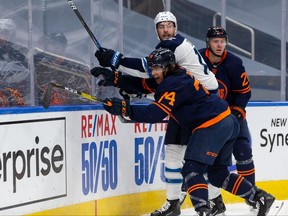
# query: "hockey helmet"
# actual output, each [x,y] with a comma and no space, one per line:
[7,29]
[215,32]
[161,57]
[165,16]
[57,37]
[55,42]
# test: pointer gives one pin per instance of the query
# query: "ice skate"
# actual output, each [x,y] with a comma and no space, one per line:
[217,206]
[263,202]
[252,205]
[204,211]
[170,208]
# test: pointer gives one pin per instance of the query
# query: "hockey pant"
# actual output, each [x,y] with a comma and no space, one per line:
[242,152]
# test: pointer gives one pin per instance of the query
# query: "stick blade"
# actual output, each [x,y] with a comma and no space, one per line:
[47,96]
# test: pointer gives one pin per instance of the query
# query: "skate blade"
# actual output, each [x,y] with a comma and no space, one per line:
[221,214]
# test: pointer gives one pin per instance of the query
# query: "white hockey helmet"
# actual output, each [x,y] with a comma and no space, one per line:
[9,26]
[165,16]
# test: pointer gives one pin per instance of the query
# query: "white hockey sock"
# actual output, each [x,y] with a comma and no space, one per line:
[173,165]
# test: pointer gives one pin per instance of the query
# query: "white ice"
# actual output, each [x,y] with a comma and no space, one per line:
[241,209]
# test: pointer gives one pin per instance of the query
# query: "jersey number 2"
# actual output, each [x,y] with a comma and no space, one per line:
[245,79]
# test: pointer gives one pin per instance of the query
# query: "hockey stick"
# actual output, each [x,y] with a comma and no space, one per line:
[92,36]
[48,94]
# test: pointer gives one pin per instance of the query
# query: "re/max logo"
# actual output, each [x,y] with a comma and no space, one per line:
[98,125]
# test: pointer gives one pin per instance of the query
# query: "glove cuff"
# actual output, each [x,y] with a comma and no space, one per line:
[117,78]
[126,111]
[241,111]
[115,61]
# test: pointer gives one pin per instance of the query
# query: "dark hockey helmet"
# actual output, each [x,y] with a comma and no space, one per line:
[57,36]
[215,32]
[55,42]
[161,57]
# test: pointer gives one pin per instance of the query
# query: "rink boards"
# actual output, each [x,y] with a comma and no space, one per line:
[80,160]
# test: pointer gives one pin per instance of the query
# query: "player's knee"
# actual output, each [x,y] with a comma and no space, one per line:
[217,175]
[242,151]
[193,167]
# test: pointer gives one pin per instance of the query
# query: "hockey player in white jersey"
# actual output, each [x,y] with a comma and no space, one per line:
[176,138]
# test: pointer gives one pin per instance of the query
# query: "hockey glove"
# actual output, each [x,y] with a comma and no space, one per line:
[109,58]
[116,106]
[239,112]
[111,78]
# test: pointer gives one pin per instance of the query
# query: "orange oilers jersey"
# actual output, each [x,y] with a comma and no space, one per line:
[182,97]
[232,78]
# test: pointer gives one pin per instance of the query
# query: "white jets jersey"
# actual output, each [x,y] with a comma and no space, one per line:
[186,55]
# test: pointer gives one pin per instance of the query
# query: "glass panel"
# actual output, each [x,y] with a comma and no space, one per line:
[63,52]
[254,35]
[264,18]
[14,73]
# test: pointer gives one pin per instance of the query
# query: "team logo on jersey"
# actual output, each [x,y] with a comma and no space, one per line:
[222,89]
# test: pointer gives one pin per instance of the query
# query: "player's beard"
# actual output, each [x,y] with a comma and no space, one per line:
[166,37]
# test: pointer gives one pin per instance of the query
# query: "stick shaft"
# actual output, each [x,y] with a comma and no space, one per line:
[92,36]
[82,94]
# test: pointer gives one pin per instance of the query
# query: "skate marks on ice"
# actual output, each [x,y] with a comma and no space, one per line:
[279,208]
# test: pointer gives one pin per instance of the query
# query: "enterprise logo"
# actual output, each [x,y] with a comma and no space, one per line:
[32,161]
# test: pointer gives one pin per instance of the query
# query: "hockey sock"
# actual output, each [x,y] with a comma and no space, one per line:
[238,186]
[173,166]
[216,176]
[213,191]
[173,180]
[196,184]
[247,170]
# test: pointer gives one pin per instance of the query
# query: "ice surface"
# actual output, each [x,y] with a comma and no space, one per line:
[241,209]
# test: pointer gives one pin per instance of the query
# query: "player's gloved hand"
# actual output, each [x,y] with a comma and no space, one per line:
[116,106]
[239,112]
[111,78]
[108,58]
